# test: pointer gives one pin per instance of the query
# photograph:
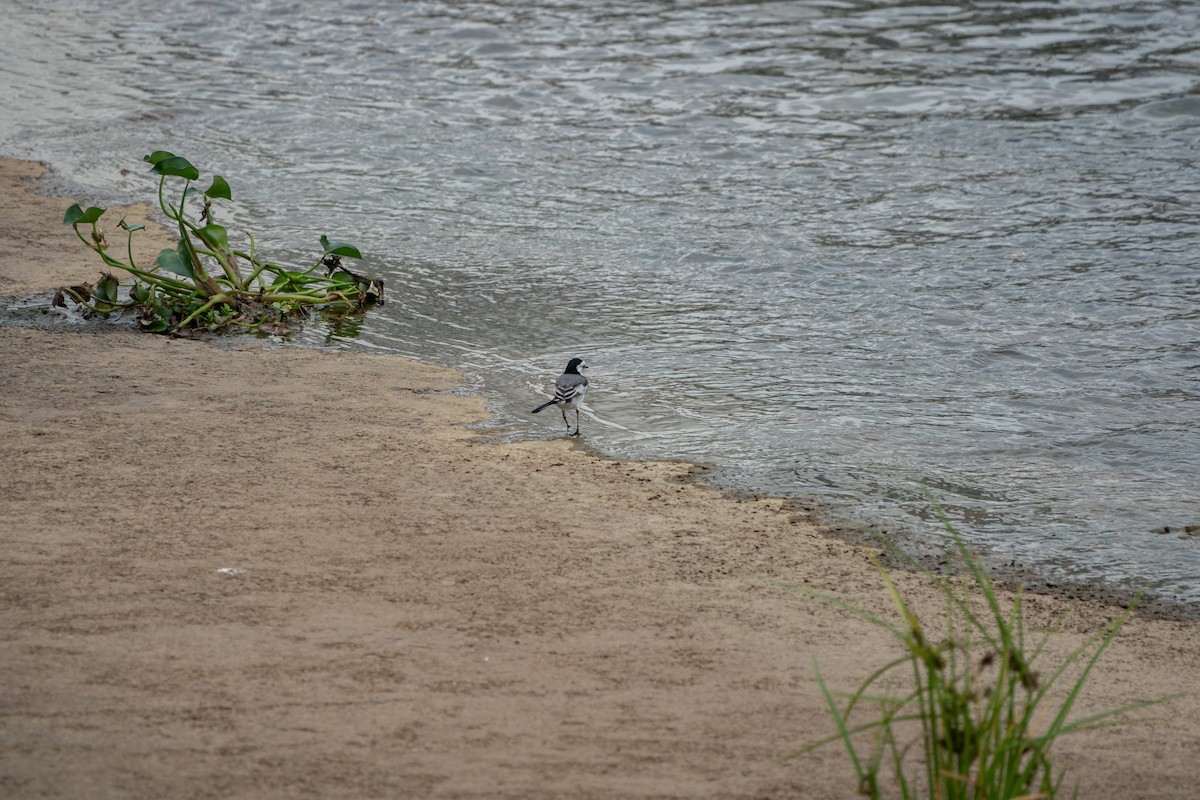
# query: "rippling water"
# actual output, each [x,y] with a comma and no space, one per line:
[827,247]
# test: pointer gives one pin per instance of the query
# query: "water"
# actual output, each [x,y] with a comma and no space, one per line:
[830,248]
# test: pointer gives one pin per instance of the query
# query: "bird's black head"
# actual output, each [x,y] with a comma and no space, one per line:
[574,366]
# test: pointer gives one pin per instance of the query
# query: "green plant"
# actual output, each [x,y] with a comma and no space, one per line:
[205,283]
[986,718]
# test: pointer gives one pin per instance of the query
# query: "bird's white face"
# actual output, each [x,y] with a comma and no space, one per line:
[583,368]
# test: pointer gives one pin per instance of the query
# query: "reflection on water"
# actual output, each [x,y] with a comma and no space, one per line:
[830,248]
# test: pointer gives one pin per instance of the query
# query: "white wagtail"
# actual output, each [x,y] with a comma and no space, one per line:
[569,391]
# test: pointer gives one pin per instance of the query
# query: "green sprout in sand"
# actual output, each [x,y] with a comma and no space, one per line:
[977,712]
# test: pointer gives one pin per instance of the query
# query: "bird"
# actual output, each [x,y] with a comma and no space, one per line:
[569,391]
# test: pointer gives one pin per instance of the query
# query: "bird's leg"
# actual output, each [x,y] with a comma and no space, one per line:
[564,413]
[577,422]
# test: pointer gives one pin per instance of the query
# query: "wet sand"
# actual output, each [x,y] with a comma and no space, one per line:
[236,570]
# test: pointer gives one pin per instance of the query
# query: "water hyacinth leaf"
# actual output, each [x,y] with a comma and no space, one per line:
[177,166]
[214,235]
[107,288]
[92,215]
[339,248]
[77,216]
[220,188]
[170,261]
[157,156]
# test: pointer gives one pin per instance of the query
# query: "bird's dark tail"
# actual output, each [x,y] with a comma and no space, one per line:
[543,405]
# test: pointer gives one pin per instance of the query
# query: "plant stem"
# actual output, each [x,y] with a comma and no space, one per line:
[216,299]
[221,258]
[308,299]
[149,277]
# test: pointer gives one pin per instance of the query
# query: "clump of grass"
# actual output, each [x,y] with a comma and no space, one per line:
[987,718]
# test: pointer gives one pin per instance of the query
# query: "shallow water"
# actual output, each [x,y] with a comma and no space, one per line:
[832,249]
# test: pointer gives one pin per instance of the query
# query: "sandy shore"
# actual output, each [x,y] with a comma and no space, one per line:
[237,571]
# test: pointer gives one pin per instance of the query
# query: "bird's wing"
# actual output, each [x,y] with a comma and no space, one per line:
[570,387]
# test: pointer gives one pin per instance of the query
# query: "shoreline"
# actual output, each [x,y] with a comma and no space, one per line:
[65,248]
[1010,577]
[336,588]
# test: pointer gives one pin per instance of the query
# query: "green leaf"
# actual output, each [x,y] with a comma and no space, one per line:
[157,156]
[106,289]
[339,248]
[214,235]
[177,166]
[170,261]
[139,292]
[76,216]
[219,188]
